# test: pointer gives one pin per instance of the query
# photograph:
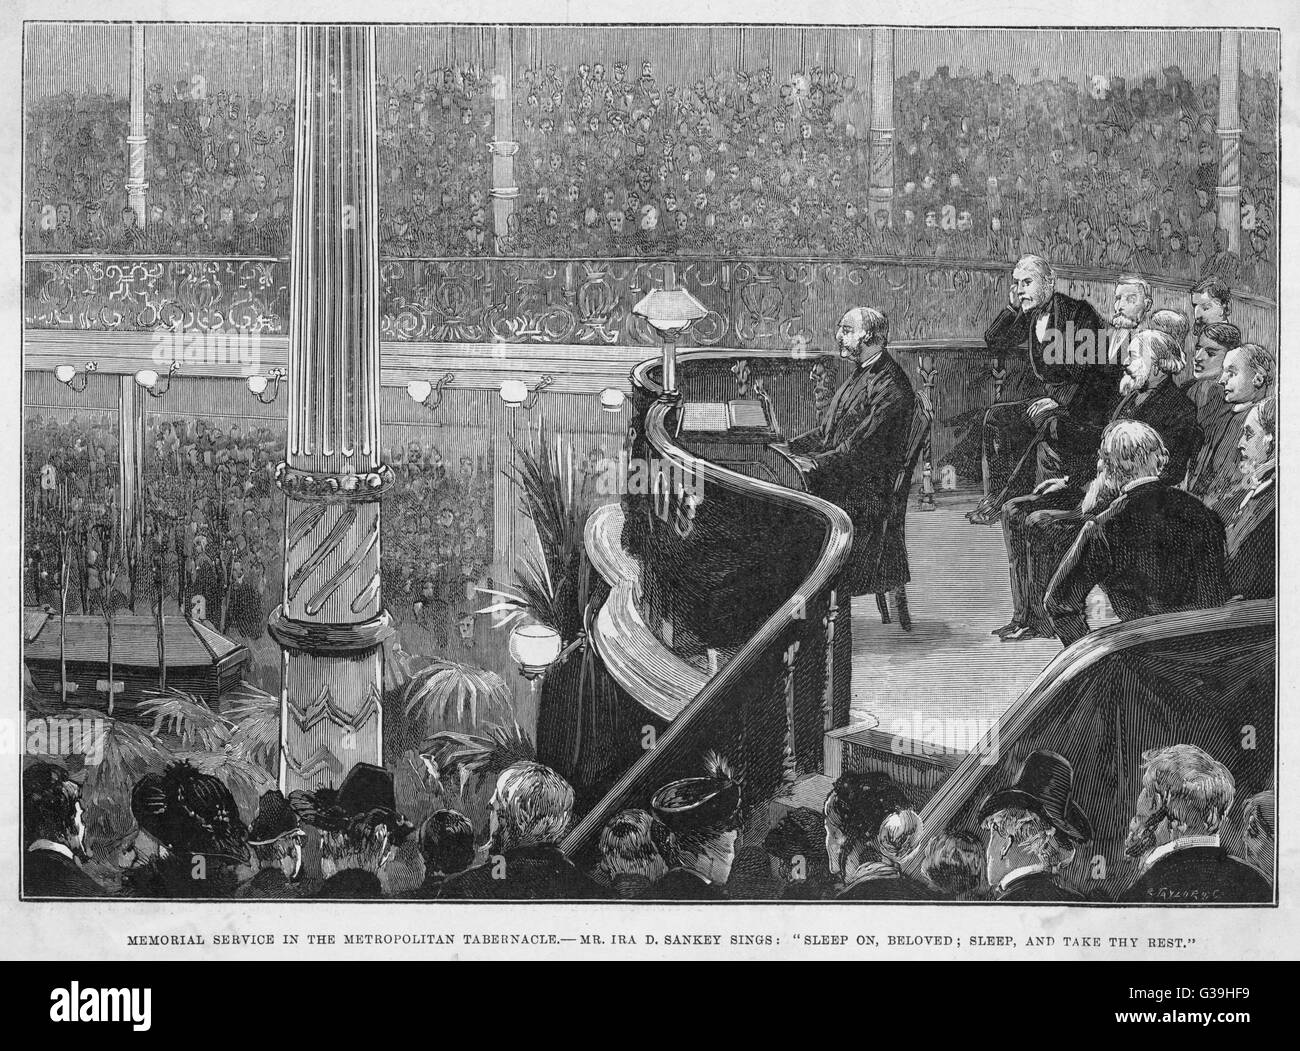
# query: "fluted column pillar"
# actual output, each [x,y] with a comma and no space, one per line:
[1228,191]
[138,140]
[504,192]
[331,623]
[880,193]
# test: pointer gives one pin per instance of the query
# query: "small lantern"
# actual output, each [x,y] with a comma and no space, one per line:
[612,400]
[419,390]
[534,647]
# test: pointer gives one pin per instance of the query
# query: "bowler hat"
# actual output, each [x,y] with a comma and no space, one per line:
[1043,787]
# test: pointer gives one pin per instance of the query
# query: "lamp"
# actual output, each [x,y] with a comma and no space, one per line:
[428,394]
[150,380]
[612,400]
[534,647]
[67,374]
[515,392]
[669,311]
[257,386]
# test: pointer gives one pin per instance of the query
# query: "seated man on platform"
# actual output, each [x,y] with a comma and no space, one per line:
[1040,528]
[1213,473]
[1150,547]
[1062,338]
[1211,303]
[1172,322]
[1252,523]
[854,456]
[1186,795]
[1247,378]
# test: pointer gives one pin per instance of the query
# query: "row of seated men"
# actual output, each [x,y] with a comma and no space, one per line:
[191,843]
[1120,476]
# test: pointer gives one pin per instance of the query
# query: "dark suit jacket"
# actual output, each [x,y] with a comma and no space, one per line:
[268,883]
[1213,474]
[1086,392]
[684,885]
[1199,876]
[49,874]
[535,871]
[859,449]
[1038,886]
[1172,415]
[900,888]
[1251,537]
[1153,550]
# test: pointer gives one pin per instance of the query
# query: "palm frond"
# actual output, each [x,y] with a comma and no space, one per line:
[186,717]
[450,694]
[254,716]
[479,757]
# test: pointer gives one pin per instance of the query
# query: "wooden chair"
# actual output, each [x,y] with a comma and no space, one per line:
[917,438]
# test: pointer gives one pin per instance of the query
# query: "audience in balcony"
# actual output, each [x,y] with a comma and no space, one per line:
[743,162]
[1150,547]
[1176,833]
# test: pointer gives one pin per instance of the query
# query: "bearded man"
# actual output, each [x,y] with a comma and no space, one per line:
[1150,547]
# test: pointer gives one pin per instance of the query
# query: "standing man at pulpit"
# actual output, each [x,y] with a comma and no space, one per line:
[853,457]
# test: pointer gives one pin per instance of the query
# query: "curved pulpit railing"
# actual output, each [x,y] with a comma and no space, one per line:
[738,579]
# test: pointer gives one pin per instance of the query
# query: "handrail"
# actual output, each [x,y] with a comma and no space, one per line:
[1064,271]
[1065,668]
[830,560]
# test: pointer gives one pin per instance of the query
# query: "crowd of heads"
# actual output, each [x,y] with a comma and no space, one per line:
[1103,174]
[610,162]
[191,840]
[219,173]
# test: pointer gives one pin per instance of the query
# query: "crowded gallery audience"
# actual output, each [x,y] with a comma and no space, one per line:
[612,161]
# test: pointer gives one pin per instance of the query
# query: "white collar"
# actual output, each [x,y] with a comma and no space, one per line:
[49,844]
[871,360]
[1021,873]
[1140,481]
[1185,843]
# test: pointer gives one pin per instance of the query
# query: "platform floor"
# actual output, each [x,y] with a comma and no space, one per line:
[948,665]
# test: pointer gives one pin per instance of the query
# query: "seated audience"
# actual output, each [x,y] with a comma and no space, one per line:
[1034,828]
[54,836]
[702,815]
[1252,523]
[276,838]
[201,838]
[954,865]
[1040,528]
[447,846]
[794,846]
[632,848]
[863,844]
[529,813]
[1174,834]
[360,830]
[1213,473]
[1150,547]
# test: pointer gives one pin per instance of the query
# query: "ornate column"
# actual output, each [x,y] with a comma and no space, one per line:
[504,192]
[137,141]
[331,623]
[1228,191]
[880,194]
